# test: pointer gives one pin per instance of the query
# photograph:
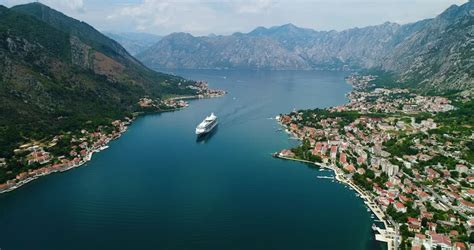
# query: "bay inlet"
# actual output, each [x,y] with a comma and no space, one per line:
[159,187]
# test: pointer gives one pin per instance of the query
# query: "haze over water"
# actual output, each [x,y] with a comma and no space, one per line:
[157,187]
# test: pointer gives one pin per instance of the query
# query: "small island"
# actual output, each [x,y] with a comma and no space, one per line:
[408,155]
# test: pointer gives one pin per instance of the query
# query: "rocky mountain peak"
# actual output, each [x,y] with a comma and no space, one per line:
[429,52]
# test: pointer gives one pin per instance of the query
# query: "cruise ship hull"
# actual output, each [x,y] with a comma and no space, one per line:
[204,131]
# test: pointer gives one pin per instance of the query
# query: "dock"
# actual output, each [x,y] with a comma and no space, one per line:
[388,235]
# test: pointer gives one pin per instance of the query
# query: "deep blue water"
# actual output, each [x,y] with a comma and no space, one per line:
[158,188]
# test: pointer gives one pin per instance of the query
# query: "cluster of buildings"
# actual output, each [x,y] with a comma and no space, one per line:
[80,148]
[402,166]
[171,103]
[174,103]
[203,90]
[146,102]
[361,81]
[383,100]
[37,155]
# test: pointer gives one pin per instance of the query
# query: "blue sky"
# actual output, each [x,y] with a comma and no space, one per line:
[202,17]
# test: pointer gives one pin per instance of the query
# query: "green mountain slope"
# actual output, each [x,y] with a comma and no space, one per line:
[60,74]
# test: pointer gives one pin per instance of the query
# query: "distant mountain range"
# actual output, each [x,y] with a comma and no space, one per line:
[57,73]
[435,52]
[134,42]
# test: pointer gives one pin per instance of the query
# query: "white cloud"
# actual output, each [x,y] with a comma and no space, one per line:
[63,5]
[255,6]
[167,15]
[77,5]
[201,17]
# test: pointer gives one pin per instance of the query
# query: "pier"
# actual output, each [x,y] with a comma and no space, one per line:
[325,177]
[388,235]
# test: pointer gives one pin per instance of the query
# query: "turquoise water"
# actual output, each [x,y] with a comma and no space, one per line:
[157,187]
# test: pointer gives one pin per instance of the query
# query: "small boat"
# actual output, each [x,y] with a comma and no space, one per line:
[325,177]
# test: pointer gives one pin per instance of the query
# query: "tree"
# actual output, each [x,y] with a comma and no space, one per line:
[424,222]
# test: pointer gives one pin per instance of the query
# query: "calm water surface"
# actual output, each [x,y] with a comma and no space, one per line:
[157,187]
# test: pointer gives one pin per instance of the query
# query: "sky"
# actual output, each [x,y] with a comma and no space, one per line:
[203,17]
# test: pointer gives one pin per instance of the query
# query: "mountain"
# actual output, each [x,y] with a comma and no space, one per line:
[134,42]
[430,53]
[181,50]
[60,74]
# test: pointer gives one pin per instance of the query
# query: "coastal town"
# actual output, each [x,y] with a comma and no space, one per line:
[404,155]
[201,89]
[75,148]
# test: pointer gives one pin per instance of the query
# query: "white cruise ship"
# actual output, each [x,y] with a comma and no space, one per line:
[207,125]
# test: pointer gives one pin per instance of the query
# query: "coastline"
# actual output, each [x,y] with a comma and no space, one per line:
[385,235]
[193,97]
[90,151]
[388,234]
[386,144]
[83,161]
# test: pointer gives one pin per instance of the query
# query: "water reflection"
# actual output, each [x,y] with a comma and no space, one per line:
[201,139]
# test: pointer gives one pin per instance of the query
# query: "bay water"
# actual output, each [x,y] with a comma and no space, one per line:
[159,187]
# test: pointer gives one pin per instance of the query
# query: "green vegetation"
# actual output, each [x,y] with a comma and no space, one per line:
[48,87]
[400,146]
[402,217]
[447,161]
[460,120]
[303,152]
[311,117]
[384,79]
[416,82]
[361,181]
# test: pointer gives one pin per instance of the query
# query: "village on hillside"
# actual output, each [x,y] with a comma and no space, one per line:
[72,149]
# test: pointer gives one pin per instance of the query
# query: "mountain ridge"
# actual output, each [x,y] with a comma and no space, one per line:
[133,42]
[60,74]
[420,53]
